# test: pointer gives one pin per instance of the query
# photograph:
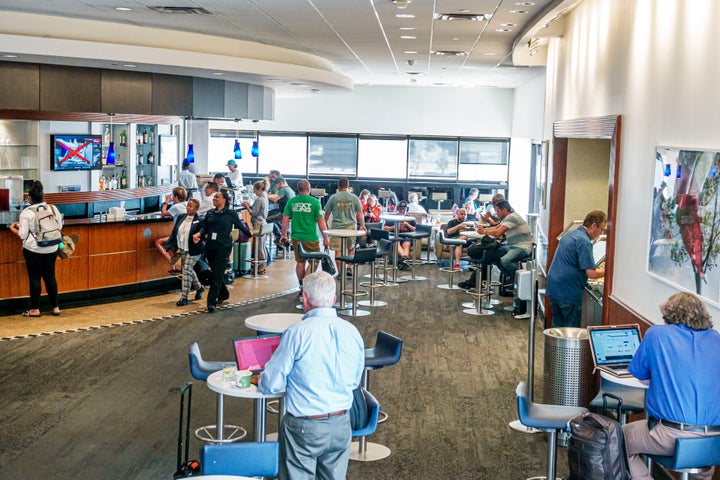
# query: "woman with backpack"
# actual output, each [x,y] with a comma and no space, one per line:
[39,227]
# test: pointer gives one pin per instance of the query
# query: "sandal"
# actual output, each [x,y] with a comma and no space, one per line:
[56,313]
[27,313]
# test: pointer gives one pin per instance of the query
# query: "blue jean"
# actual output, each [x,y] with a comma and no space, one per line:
[314,449]
[566,314]
[505,258]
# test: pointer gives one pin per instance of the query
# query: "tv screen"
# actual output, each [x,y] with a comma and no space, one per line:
[76,152]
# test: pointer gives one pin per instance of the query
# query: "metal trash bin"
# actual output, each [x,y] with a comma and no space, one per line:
[568,368]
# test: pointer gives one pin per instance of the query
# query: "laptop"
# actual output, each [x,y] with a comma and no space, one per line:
[228,183]
[252,353]
[613,347]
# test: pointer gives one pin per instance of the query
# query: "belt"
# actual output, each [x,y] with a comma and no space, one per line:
[686,427]
[322,416]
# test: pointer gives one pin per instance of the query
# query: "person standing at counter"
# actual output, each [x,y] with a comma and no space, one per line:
[258,217]
[216,230]
[571,267]
[186,225]
[318,363]
[235,175]
[39,260]
[680,364]
[186,179]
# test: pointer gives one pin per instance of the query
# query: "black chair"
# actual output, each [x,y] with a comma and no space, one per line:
[452,243]
[383,250]
[386,352]
[377,234]
[421,231]
[362,256]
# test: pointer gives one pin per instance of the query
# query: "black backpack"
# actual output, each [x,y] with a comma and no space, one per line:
[596,449]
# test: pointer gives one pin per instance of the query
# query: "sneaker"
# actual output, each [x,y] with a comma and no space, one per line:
[456,267]
[522,316]
[211,308]
[404,267]
[199,293]
[467,284]
[182,302]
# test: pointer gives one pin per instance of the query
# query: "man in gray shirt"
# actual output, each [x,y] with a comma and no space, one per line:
[518,239]
[346,211]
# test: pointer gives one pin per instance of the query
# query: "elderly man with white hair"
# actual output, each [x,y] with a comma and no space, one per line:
[318,363]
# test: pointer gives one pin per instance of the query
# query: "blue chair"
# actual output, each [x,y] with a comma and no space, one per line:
[632,399]
[691,455]
[551,419]
[364,415]
[248,459]
[200,370]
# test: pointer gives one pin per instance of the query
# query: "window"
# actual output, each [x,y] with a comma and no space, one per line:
[220,150]
[286,153]
[382,158]
[332,155]
[430,158]
[483,160]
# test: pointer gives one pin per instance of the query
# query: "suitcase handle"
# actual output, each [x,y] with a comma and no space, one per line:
[619,401]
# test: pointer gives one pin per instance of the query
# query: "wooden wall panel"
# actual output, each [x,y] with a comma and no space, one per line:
[620,314]
[72,273]
[15,280]
[126,92]
[151,265]
[111,237]
[20,86]
[111,269]
[172,95]
[69,89]
[82,244]
[147,233]
[10,247]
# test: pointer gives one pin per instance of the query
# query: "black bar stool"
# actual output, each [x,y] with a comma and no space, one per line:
[362,256]
[452,243]
[421,232]
[383,250]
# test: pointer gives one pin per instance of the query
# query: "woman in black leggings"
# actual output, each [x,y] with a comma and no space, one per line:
[39,261]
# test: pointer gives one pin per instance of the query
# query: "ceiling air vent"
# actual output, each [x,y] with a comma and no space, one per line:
[187,10]
[475,17]
[449,53]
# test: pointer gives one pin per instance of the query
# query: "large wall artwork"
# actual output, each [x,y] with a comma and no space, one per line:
[685,227]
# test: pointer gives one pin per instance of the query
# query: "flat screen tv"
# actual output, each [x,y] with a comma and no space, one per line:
[76,152]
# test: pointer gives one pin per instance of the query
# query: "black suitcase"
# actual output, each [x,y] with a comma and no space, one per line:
[203,272]
[185,468]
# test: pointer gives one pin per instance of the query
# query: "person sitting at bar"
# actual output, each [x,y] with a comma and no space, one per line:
[372,210]
[235,175]
[414,204]
[679,362]
[363,196]
[174,206]
[318,363]
[454,227]
[187,179]
[471,203]
[404,245]
[489,217]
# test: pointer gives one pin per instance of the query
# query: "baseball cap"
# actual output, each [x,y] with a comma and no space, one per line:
[230,162]
[280,179]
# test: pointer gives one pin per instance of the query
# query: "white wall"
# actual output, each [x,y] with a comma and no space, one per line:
[656,64]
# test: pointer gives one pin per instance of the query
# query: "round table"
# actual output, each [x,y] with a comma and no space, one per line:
[397,220]
[216,383]
[272,322]
[344,235]
[626,381]
[471,234]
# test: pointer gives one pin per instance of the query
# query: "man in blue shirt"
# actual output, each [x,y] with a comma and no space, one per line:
[571,267]
[680,363]
[318,363]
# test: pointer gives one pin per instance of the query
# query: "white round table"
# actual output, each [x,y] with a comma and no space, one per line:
[216,383]
[344,235]
[272,322]
[627,381]
[471,234]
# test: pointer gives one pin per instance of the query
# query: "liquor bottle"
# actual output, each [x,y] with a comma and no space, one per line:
[151,158]
[141,180]
[139,157]
[138,136]
[152,136]
[149,181]
[123,139]
[102,182]
[106,135]
[123,180]
[145,136]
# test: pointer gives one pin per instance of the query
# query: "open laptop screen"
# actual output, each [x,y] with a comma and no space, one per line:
[252,353]
[614,345]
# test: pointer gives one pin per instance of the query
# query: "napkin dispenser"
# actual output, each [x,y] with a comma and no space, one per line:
[116,213]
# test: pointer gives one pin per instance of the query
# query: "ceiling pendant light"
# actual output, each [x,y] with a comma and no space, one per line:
[667,171]
[111,149]
[255,152]
[190,153]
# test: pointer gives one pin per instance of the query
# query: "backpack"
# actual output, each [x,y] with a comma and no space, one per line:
[596,449]
[47,226]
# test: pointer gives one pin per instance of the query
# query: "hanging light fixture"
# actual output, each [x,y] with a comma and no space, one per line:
[679,171]
[190,153]
[255,150]
[237,153]
[111,149]
[667,171]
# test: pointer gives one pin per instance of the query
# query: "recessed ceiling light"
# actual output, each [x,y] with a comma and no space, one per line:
[407,37]
[508,25]
[218,73]
[407,28]
[123,9]
[404,15]
[410,52]
[129,65]
[489,54]
[525,4]
[9,55]
[455,39]
[503,30]
[518,11]
[464,10]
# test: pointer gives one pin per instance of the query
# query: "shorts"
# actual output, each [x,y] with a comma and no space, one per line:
[336,242]
[307,246]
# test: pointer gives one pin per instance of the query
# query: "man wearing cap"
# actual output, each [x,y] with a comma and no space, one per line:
[235,175]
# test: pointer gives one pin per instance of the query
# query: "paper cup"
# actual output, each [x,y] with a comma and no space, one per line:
[242,378]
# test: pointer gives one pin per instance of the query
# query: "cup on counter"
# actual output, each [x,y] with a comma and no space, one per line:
[242,378]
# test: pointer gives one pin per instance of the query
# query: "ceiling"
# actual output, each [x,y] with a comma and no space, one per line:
[361,41]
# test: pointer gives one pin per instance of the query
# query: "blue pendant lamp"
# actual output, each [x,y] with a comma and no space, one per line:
[679,171]
[190,157]
[255,151]
[236,150]
[667,170]
[111,149]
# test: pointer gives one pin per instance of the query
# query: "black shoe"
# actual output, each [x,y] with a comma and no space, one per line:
[211,308]
[199,293]
[467,284]
[182,302]
[223,299]
[348,273]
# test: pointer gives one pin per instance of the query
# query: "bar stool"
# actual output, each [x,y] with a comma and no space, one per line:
[387,351]
[421,231]
[483,290]
[313,258]
[551,419]
[369,226]
[691,455]
[258,243]
[452,243]
[622,398]
[376,235]
[383,250]
[200,370]
[364,415]
[362,256]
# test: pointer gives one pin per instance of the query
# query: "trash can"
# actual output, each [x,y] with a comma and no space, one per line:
[568,374]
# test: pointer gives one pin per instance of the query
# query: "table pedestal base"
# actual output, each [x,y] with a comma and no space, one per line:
[474,311]
[373,451]
[375,303]
[358,313]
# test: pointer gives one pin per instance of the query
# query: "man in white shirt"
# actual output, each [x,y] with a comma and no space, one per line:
[206,200]
[186,179]
[235,176]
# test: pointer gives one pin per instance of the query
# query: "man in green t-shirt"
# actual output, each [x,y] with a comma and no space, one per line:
[347,213]
[306,215]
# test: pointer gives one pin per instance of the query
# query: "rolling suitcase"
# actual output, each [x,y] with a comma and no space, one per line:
[185,468]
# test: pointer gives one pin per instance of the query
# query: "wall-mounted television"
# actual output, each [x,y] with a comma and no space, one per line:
[76,152]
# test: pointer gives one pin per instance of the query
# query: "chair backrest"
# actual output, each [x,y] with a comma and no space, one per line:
[249,459]
[385,248]
[386,352]
[370,225]
[364,413]
[694,453]
[201,369]
[379,234]
[423,228]
[364,255]
[523,402]
[311,255]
